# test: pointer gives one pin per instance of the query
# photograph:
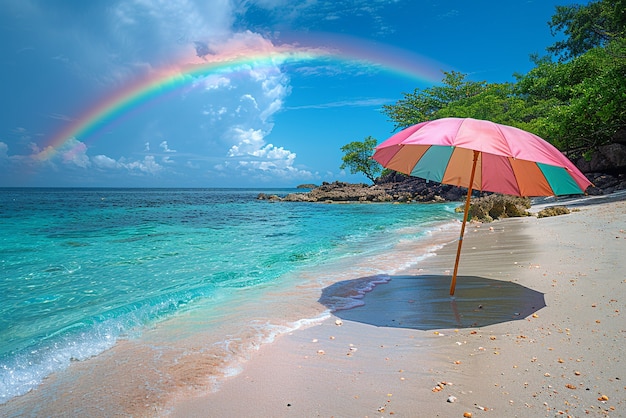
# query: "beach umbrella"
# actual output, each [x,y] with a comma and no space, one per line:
[481,155]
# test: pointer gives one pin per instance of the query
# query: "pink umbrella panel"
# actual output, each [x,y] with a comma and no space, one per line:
[510,161]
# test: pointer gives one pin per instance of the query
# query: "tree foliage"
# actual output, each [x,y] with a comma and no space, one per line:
[357,158]
[587,27]
[582,102]
[421,106]
[459,97]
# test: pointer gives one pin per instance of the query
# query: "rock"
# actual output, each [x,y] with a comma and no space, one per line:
[610,159]
[337,192]
[346,192]
[605,183]
[263,196]
[553,211]
[403,188]
[299,197]
[495,206]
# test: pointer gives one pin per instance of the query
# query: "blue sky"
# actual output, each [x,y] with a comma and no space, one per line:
[261,123]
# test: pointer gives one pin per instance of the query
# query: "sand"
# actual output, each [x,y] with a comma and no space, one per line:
[536,328]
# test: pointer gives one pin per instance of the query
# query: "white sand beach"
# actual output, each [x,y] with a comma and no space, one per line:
[479,353]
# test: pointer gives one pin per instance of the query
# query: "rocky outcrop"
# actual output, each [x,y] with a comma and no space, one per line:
[393,188]
[337,192]
[605,183]
[608,159]
[606,168]
[405,188]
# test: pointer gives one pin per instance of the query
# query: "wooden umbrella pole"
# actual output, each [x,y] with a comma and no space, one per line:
[465,212]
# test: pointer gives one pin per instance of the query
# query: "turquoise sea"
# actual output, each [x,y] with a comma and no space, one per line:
[172,288]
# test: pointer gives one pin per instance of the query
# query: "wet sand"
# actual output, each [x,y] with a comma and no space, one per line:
[493,350]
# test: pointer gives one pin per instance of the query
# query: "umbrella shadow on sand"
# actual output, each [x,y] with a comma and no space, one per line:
[424,302]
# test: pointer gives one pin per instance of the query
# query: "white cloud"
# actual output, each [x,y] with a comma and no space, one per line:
[165,148]
[168,25]
[215,114]
[215,82]
[4,151]
[275,153]
[115,40]
[71,152]
[102,161]
[22,134]
[243,125]
[274,91]
[252,155]
[59,116]
[248,141]
[75,152]
[148,165]
[248,98]
[372,102]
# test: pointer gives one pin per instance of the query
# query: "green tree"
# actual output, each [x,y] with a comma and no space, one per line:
[496,102]
[459,97]
[579,104]
[358,158]
[423,105]
[586,27]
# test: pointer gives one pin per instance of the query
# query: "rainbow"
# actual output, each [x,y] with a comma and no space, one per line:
[126,101]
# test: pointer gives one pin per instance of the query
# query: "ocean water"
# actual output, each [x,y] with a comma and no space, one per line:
[172,288]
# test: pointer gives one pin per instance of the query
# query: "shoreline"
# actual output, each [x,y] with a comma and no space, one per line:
[195,351]
[565,358]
